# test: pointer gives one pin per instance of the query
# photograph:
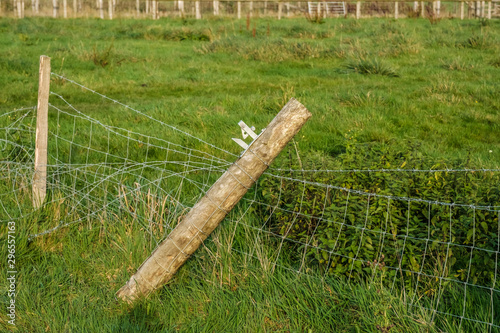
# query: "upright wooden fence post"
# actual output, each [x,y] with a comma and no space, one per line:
[180,6]
[422,9]
[20,9]
[239,9]
[110,9]
[42,130]
[462,10]
[396,10]
[358,10]
[216,7]
[489,10]
[280,9]
[197,10]
[206,215]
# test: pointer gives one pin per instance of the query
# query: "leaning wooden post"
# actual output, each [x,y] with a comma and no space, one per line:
[206,215]
[42,130]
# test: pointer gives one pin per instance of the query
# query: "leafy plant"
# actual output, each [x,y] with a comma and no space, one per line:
[339,227]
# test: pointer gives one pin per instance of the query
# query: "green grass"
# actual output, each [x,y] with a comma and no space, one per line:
[380,81]
[444,95]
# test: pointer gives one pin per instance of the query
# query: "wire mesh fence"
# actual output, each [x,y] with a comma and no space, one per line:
[437,243]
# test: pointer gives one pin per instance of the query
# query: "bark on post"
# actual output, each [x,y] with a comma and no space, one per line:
[42,129]
[206,215]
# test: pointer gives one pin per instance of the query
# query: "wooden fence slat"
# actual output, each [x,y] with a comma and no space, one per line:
[206,215]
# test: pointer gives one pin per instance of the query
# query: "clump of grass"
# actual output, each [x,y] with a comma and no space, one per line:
[268,51]
[495,62]
[371,66]
[368,99]
[456,65]
[479,42]
[316,18]
[179,35]
[432,16]
[102,58]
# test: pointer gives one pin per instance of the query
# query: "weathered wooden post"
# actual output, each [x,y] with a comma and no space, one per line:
[65,8]
[358,10]
[462,10]
[197,10]
[39,185]
[216,7]
[180,6]
[206,215]
[422,9]
[280,9]
[396,10]
[101,9]
[20,9]
[239,9]
[489,10]
[110,9]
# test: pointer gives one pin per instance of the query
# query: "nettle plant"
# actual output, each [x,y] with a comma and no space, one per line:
[398,224]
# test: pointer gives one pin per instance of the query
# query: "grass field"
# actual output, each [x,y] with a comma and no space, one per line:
[400,85]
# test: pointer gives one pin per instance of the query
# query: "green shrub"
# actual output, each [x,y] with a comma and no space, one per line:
[343,216]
